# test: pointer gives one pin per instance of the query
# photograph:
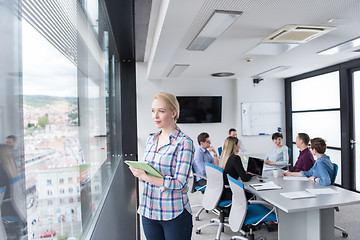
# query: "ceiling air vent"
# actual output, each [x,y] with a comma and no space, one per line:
[297,33]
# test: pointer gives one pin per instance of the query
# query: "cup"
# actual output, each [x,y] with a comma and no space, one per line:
[276,172]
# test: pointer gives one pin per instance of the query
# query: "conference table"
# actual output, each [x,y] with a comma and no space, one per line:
[306,218]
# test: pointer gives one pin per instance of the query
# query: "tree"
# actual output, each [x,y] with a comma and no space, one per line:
[43,121]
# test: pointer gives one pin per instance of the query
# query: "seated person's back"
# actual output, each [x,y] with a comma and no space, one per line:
[232,165]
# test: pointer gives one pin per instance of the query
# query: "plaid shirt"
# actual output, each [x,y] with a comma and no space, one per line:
[174,161]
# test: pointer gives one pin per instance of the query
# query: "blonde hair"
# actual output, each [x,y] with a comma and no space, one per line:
[228,150]
[171,101]
[7,161]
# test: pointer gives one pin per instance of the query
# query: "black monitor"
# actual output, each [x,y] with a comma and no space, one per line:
[200,109]
[255,166]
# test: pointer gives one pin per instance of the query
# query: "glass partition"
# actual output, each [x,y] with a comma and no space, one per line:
[55,117]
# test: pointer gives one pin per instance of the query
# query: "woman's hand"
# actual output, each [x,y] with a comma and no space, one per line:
[268,162]
[138,173]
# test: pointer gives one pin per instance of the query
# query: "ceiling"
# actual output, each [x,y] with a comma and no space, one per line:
[173,24]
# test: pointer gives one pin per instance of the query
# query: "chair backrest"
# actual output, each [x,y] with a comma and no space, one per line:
[289,151]
[220,150]
[336,168]
[239,204]
[17,194]
[214,186]
[2,229]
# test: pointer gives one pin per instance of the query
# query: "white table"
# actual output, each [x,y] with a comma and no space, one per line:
[309,218]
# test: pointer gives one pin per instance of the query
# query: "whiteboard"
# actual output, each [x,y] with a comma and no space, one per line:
[260,118]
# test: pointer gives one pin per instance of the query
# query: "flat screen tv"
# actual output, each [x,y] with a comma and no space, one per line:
[200,109]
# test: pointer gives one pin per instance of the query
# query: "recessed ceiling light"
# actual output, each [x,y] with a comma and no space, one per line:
[271,48]
[177,70]
[214,27]
[223,74]
[341,47]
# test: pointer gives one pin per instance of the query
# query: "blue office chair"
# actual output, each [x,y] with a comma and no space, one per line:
[343,231]
[212,195]
[2,229]
[243,213]
[220,151]
[16,224]
[198,189]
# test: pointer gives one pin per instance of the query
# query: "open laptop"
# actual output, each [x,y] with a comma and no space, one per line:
[255,166]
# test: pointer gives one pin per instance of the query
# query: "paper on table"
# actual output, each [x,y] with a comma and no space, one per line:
[267,167]
[321,190]
[265,186]
[298,194]
[295,178]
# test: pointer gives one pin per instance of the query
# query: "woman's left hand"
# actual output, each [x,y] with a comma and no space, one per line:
[268,162]
[138,173]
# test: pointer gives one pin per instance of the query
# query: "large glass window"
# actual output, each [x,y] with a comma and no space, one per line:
[316,111]
[54,115]
[356,140]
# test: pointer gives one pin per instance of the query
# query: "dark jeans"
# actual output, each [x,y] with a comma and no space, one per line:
[179,228]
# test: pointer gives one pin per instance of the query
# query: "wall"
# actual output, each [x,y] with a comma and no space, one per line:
[233,91]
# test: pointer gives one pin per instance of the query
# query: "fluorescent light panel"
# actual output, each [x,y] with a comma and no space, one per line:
[272,71]
[215,26]
[341,47]
[177,70]
[271,48]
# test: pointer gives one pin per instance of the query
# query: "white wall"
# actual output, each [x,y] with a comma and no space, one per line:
[233,92]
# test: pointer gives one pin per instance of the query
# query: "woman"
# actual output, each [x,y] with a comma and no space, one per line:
[279,154]
[323,171]
[165,207]
[232,165]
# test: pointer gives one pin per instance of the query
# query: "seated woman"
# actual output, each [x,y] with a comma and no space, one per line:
[279,154]
[232,165]
[323,171]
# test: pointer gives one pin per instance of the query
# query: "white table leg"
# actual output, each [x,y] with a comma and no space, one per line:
[317,224]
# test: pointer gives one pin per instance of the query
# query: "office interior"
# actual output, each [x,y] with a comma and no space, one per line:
[78,78]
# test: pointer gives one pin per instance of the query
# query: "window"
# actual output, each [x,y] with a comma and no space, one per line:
[316,111]
[58,103]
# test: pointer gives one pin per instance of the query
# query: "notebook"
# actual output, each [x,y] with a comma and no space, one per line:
[255,166]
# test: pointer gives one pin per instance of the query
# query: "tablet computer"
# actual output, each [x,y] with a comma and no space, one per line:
[147,167]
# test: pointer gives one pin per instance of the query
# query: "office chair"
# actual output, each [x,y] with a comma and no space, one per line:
[198,189]
[212,195]
[16,224]
[343,231]
[220,151]
[2,228]
[243,213]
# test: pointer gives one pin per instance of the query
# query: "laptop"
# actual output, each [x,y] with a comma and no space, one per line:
[255,166]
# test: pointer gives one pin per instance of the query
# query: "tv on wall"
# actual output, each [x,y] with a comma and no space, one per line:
[200,109]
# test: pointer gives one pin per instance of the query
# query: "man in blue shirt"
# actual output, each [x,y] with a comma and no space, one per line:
[202,155]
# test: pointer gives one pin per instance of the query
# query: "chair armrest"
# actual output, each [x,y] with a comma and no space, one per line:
[199,175]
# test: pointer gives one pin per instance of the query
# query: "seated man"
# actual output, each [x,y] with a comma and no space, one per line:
[233,133]
[323,171]
[305,160]
[202,155]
